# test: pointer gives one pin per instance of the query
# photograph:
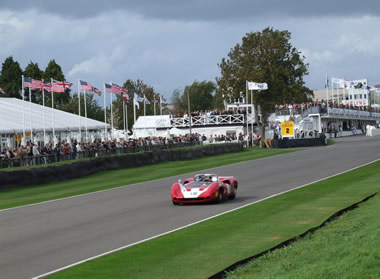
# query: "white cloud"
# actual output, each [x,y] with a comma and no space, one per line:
[171,54]
[322,56]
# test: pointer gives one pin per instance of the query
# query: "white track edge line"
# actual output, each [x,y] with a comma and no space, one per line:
[200,221]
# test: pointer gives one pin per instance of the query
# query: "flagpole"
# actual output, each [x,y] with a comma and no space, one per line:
[144,105]
[134,108]
[338,93]
[23,107]
[126,117]
[160,106]
[85,112]
[111,113]
[43,108]
[154,105]
[252,115]
[246,111]
[79,114]
[123,103]
[52,111]
[327,89]
[30,112]
[105,112]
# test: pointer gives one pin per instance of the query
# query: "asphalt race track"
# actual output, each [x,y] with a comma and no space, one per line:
[40,238]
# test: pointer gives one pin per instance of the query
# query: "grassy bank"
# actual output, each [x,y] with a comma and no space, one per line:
[345,248]
[204,249]
[116,178]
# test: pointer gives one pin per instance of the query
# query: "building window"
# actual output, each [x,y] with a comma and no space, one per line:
[350,97]
[361,96]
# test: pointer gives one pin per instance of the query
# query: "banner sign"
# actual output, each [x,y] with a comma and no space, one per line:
[287,129]
[356,103]
[356,84]
[257,86]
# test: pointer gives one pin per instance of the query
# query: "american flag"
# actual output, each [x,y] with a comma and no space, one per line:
[60,86]
[116,88]
[37,84]
[124,90]
[2,91]
[156,100]
[97,91]
[108,88]
[47,86]
[126,97]
[27,82]
[84,85]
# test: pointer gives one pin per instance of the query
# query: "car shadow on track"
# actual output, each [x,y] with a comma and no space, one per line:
[237,200]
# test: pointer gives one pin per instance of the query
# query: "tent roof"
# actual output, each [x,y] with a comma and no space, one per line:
[13,111]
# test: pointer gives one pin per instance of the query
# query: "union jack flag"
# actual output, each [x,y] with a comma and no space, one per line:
[37,84]
[27,82]
[60,86]
[97,91]
[84,85]
[125,98]
[47,86]
[2,91]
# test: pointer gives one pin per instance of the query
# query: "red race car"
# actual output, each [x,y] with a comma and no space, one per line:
[204,188]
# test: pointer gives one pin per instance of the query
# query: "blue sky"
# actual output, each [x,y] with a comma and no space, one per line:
[169,44]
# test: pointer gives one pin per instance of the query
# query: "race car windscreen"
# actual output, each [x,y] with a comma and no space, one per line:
[196,184]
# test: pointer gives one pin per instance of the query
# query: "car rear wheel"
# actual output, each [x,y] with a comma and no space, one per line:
[220,196]
[233,196]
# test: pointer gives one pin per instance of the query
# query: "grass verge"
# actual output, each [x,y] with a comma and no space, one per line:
[204,249]
[111,179]
[345,248]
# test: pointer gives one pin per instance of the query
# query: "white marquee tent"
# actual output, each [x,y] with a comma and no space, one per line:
[17,116]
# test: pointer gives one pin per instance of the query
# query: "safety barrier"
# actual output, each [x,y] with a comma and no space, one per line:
[292,143]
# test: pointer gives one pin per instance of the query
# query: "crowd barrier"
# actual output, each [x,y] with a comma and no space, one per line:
[48,174]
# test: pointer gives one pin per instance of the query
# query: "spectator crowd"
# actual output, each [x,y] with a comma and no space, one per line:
[291,109]
[34,154]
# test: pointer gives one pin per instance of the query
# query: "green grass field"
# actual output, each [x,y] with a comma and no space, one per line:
[116,178]
[345,248]
[204,249]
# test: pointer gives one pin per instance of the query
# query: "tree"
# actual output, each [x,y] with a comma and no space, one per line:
[200,95]
[266,56]
[94,111]
[33,71]
[54,71]
[10,78]
[176,102]
[134,87]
